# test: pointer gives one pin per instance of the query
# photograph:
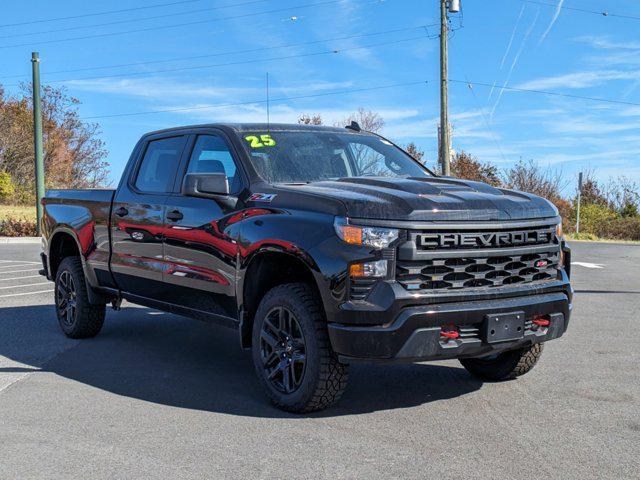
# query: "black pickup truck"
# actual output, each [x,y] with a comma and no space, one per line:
[321,247]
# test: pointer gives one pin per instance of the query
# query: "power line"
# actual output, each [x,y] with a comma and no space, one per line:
[175,25]
[253,102]
[555,94]
[486,120]
[343,92]
[602,13]
[230,52]
[107,12]
[133,20]
[237,62]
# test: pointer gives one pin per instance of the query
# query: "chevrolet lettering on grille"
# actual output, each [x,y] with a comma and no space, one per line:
[483,240]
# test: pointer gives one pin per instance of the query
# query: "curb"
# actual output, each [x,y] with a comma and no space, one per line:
[23,240]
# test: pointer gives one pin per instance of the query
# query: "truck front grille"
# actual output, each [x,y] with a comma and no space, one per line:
[476,272]
[481,258]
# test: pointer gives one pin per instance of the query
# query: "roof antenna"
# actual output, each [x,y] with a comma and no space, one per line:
[268,113]
[354,126]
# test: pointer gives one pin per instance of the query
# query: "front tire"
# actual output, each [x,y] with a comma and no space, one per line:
[292,355]
[78,318]
[504,366]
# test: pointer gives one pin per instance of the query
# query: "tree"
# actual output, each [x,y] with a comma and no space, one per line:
[314,119]
[592,193]
[528,176]
[414,151]
[73,153]
[623,195]
[465,166]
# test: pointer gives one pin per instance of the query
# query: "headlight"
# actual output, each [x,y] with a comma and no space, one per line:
[559,230]
[375,237]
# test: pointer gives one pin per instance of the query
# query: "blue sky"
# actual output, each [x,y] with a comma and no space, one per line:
[371,44]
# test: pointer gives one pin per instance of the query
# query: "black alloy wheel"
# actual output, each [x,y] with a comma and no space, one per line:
[77,316]
[291,350]
[283,350]
[66,298]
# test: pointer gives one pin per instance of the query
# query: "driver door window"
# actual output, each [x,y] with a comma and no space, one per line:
[211,155]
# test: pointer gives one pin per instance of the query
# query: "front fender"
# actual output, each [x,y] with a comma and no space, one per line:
[309,237]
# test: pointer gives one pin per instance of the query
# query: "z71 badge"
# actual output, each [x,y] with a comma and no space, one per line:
[262,197]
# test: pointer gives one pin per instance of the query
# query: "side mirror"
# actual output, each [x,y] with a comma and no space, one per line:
[208,185]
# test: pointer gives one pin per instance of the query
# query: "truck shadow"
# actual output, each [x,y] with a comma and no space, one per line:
[168,360]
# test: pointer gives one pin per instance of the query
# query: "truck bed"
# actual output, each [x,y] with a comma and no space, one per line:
[72,196]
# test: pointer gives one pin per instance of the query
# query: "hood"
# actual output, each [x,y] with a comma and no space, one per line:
[428,199]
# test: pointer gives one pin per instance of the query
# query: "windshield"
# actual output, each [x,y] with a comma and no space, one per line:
[311,156]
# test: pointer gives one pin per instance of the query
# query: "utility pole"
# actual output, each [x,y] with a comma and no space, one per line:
[578,206]
[37,138]
[445,132]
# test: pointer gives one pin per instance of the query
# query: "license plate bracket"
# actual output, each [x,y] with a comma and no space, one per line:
[504,327]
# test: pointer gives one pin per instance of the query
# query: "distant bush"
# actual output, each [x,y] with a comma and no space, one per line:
[17,228]
[23,196]
[594,217]
[603,222]
[7,189]
[623,228]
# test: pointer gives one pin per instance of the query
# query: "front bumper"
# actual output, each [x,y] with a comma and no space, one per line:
[414,334]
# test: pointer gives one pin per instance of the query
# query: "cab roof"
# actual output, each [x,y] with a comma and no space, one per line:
[247,127]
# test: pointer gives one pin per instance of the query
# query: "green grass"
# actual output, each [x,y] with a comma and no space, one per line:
[17,212]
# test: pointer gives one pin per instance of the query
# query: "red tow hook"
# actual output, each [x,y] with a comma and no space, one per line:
[449,331]
[541,320]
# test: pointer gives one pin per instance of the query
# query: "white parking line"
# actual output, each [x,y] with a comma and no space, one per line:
[15,266]
[27,285]
[20,271]
[588,265]
[27,293]
[19,278]
[19,261]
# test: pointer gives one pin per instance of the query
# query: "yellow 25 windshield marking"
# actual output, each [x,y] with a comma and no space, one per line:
[259,142]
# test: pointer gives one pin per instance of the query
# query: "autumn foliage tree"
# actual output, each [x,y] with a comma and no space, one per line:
[413,150]
[74,156]
[465,166]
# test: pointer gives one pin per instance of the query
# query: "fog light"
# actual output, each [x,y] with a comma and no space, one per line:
[369,269]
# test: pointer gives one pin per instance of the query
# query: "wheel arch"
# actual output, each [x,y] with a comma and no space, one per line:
[265,270]
[64,243]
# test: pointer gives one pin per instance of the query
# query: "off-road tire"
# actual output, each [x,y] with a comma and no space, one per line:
[324,378]
[88,318]
[507,365]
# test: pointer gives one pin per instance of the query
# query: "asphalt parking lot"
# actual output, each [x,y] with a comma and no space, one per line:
[159,396]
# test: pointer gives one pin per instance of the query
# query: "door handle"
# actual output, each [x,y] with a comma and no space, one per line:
[175,215]
[121,212]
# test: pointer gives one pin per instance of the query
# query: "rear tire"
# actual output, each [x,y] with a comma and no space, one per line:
[78,318]
[292,355]
[504,366]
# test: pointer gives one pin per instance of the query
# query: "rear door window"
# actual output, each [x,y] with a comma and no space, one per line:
[159,165]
